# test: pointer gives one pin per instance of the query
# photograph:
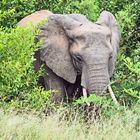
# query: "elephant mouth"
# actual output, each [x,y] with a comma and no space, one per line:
[85,94]
[99,92]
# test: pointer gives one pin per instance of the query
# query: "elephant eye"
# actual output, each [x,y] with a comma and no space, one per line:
[80,38]
[71,40]
[110,56]
[78,58]
[77,61]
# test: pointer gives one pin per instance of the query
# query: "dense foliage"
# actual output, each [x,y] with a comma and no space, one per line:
[18,81]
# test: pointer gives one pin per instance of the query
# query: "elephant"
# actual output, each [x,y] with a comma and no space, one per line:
[34,18]
[79,55]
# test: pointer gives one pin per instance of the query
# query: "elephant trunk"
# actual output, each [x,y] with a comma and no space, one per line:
[98,79]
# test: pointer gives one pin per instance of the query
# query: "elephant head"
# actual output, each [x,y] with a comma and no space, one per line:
[72,45]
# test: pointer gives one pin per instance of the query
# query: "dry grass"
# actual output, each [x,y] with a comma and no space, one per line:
[33,126]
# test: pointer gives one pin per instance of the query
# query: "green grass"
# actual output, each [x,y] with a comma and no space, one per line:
[68,125]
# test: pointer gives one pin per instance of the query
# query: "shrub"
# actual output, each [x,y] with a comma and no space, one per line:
[13,10]
[127,76]
[18,80]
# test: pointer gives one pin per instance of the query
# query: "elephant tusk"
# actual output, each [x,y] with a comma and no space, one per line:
[85,95]
[112,95]
[84,92]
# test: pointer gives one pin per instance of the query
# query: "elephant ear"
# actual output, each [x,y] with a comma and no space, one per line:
[108,20]
[55,46]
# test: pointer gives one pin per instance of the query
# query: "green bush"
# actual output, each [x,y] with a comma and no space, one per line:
[11,11]
[14,10]
[18,80]
[127,76]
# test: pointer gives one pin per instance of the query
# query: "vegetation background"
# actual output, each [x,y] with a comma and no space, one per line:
[18,81]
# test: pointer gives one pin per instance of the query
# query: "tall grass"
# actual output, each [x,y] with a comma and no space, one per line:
[67,125]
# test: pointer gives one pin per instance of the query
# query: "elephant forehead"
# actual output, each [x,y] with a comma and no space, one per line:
[87,30]
[98,35]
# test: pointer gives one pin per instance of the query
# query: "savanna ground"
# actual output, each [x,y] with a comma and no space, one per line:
[23,102]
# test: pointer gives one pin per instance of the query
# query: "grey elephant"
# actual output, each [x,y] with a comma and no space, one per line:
[79,55]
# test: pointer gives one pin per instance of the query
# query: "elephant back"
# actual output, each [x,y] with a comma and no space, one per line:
[34,18]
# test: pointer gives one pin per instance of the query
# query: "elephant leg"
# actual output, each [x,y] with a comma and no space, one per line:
[54,82]
[50,81]
[74,91]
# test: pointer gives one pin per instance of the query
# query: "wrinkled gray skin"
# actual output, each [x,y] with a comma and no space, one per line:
[78,53]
